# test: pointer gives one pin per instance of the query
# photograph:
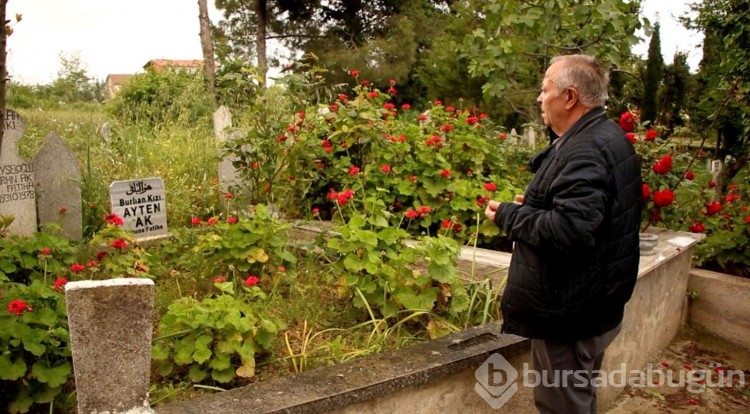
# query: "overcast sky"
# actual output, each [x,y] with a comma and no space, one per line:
[117,36]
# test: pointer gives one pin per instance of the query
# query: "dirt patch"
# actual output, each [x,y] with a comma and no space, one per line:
[692,376]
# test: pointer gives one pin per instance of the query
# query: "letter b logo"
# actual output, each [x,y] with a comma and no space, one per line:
[496,381]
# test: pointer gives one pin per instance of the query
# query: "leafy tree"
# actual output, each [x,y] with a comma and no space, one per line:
[724,78]
[652,79]
[517,39]
[73,83]
[673,95]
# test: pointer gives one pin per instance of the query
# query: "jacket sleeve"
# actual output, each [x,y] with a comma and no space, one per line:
[579,199]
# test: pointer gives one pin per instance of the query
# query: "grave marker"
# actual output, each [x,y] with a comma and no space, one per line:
[17,191]
[58,185]
[104,132]
[142,205]
[223,132]
[110,341]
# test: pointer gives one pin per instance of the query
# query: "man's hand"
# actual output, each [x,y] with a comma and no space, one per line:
[491,210]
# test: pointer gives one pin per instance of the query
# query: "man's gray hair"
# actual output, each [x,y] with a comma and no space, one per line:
[586,75]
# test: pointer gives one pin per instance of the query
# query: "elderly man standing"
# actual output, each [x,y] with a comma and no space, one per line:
[575,260]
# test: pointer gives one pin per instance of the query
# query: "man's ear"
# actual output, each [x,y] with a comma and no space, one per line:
[571,98]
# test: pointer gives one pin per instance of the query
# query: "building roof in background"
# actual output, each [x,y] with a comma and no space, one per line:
[116,78]
[170,63]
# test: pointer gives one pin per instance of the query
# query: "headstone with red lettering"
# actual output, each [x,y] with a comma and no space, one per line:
[17,191]
[142,205]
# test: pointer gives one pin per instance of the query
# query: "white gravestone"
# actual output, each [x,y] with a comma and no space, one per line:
[142,205]
[17,191]
[223,132]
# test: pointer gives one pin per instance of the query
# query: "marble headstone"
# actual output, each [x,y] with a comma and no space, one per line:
[17,192]
[142,205]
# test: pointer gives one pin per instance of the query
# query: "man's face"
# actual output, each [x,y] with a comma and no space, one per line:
[552,101]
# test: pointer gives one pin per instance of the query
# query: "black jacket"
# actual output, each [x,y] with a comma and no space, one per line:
[575,260]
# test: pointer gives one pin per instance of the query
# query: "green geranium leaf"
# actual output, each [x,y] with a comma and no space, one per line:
[444,273]
[416,301]
[223,375]
[196,374]
[53,376]
[201,355]
[11,370]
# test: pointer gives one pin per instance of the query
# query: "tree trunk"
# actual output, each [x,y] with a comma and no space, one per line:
[260,40]
[207,43]
[3,69]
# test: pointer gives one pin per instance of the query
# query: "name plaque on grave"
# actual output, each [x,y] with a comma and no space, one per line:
[142,205]
[17,190]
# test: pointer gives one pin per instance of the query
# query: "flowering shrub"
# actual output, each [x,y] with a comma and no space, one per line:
[35,362]
[663,173]
[726,224]
[442,160]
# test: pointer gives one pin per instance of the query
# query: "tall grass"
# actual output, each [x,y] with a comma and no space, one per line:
[184,155]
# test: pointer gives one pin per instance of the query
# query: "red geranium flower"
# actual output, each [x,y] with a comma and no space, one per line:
[712,208]
[251,281]
[446,173]
[663,165]
[354,73]
[353,170]
[405,106]
[17,307]
[631,137]
[711,184]
[697,228]
[101,255]
[627,121]
[502,135]
[490,186]
[232,220]
[228,195]
[59,283]
[651,135]
[45,251]
[411,214]
[119,244]
[385,168]
[424,210]
[413,178]
[422,117]
[446,223]
[645,192]
[195,221]
[747,219]
[113,219]
[689,175]
[373,94]
[663,198]
[77,268]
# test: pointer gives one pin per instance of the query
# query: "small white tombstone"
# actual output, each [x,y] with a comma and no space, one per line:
[104,132]
[223,132]
[715,170]
[142,205]
[17,190]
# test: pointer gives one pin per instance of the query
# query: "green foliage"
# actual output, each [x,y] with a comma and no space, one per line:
[652,80]
[512,47]
[215,339]
[159,97]
[35,364]
[673,96]
[257,245]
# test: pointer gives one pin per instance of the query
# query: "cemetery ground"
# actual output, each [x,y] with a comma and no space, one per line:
[691,349]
